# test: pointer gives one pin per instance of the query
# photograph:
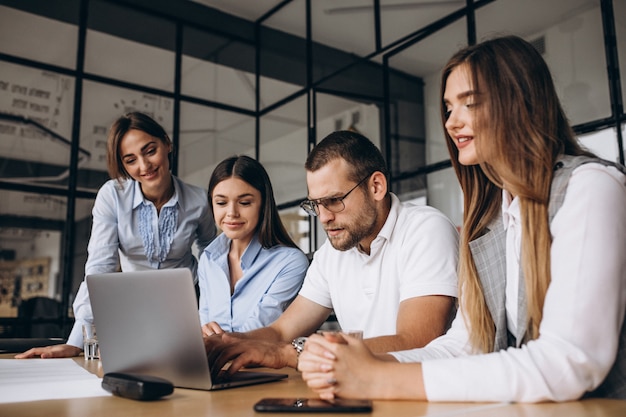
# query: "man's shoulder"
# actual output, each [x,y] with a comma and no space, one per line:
[416,214]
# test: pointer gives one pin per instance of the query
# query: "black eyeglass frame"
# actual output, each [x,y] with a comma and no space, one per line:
[311,206]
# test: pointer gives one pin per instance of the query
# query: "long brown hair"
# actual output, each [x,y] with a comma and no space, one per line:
[520,129]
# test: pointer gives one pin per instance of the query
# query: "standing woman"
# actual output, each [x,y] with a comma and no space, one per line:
[143,218]
[542,271]
[251,272]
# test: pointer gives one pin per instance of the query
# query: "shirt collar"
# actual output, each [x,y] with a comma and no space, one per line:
[510,209]
[387,230]
[221,246]
[138,197]
[251,252]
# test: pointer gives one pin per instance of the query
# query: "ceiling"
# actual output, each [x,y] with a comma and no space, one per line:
[348,25]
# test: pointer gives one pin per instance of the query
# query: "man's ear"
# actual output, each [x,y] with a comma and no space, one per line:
[378,185]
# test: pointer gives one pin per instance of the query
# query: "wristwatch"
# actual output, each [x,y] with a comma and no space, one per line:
[298,344]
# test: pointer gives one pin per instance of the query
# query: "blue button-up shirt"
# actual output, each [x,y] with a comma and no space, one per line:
[116,241]
[271,279]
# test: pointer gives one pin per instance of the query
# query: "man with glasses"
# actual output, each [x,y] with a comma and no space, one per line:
[387,268]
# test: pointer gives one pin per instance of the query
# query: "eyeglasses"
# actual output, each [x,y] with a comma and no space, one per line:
[332,204]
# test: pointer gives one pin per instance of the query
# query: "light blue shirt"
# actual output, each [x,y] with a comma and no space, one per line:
[271,279]
[119,229]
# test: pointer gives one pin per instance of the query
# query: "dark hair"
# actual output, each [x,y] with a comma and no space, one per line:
[270,228]
[358,151]
[130,121]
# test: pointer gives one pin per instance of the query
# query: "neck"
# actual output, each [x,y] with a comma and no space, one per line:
[381,218]
[160,197]
[238,247]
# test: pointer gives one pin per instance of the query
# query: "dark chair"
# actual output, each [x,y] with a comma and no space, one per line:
[44,309]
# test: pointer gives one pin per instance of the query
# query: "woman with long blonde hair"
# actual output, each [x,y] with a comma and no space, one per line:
[542,272]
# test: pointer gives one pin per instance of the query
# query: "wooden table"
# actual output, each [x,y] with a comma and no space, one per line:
[238,402]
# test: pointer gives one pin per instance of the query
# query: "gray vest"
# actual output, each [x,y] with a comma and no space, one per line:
[489,254]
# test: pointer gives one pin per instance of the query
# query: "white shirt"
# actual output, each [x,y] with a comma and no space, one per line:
[512,224]
[415,254]
[582,316]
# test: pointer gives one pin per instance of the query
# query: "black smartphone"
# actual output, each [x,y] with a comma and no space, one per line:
[313,405]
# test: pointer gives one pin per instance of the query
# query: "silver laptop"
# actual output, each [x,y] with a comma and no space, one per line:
[148,323]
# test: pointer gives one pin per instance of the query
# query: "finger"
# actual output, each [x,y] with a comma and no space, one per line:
[334,337]
[310,363]
[320,381]
[322,341]
[28,354]
[327,394]
[312,349]
[207,331]
[215,328]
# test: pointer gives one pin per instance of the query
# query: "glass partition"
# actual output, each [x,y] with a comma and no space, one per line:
[31,228]
[569,36]
[282,54]
[208,136]
[416,133]
[21,34]
[619,13]
[128,45]
[35,125]
[218,69]
[284,149]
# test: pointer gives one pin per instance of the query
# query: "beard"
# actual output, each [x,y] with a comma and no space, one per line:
[362,226]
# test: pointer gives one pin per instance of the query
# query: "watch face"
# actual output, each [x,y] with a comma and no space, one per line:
[298,343]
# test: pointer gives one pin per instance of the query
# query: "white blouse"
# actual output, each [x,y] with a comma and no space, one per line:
[582,316]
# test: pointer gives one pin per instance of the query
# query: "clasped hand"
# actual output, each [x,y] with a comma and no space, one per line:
[336,366]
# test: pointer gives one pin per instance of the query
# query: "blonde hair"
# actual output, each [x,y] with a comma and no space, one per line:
[523,129]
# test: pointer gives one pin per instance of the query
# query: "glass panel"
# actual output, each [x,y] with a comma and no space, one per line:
[400,19]
[602,143]
[296,221]
[284,150]
[619,12]
[35,125]
[623,136]
[337,113]
[207,137]
[283,54]
[130,46]
[21,34]
[102,105]
[444,193]
[31,228]
[569,35]
[416,132]
[82,232]
[218,69]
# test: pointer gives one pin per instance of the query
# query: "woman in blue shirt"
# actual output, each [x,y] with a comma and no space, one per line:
[143,218]
[251,272]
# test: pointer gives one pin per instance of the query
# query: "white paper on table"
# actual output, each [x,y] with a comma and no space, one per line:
[24,380]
